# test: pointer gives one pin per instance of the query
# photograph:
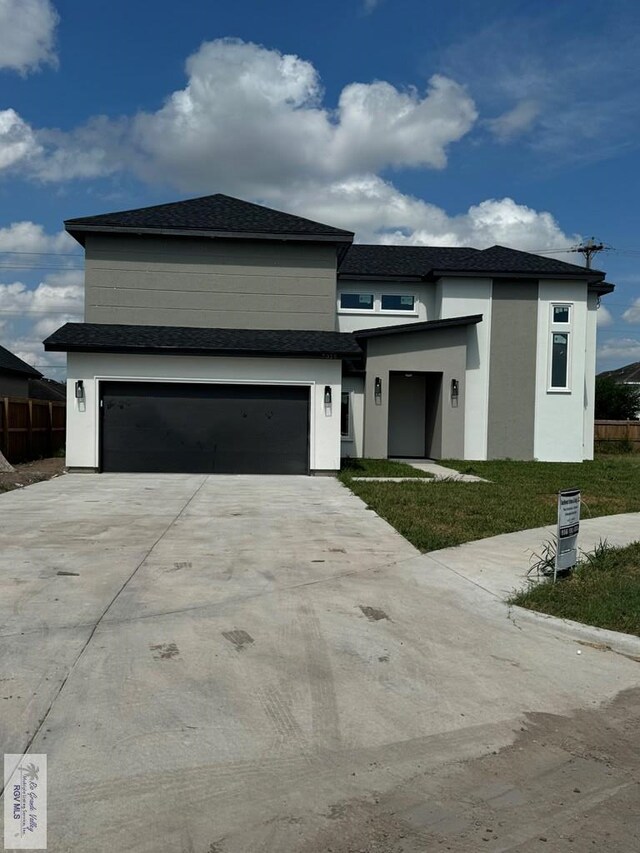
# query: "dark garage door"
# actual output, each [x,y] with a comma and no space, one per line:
[222,429]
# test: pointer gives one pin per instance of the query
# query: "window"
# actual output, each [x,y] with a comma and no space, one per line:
[561,313]
[391,302]
[559,359]
[345,414]
[356,301]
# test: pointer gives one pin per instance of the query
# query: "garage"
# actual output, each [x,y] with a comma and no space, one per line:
[203,428]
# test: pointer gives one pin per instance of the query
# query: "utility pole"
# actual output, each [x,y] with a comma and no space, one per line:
[588,248]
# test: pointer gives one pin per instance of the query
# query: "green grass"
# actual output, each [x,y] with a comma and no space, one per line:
[377,468]
[604,590]
[520,495]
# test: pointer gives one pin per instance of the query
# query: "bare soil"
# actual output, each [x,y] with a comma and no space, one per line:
[565,784]
[31,472]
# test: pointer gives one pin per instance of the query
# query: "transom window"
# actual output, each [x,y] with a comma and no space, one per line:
[356,301]
[394,302]
[561,313]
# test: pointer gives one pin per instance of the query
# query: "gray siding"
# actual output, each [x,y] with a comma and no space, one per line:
[442,351]
[512,370]
[13,386]
[246,284]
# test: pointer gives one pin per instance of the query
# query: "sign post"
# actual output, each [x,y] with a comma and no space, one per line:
[568,527]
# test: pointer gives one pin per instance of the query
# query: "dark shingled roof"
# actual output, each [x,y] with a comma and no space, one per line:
[182,340]
[426,326]
[13,364]
[628,373]
[47,389]
[425,261]
[404,261]
[216,215]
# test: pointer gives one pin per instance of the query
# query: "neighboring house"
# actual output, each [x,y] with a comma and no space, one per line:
[225,336]
[627,375]
[47,389]
[15,375]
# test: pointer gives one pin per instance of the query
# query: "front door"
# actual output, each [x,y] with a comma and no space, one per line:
[407,414]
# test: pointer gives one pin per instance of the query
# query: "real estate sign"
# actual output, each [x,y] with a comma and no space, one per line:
[568,528]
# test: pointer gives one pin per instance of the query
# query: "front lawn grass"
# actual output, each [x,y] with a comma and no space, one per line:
[520,495]
[604,590]
[377,468]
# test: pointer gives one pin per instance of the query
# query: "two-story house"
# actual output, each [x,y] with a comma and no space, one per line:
[223,336]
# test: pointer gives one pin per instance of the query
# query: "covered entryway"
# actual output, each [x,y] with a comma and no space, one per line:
[203,428]
[414,400]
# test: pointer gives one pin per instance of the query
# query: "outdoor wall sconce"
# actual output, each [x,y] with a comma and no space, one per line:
[455,390]
[79,390]
[377,391]
[327,399]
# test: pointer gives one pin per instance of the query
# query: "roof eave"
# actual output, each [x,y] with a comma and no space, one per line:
[229,351]
[532,276]
[77,231]
[413,328]
[602,288]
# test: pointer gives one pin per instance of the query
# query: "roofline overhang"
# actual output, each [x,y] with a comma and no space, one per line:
[372,277]
[602,288]
[76,231]
[413,328]
[147,350]
[532,276]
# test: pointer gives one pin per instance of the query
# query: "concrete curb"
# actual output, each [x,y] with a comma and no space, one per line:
[615,641]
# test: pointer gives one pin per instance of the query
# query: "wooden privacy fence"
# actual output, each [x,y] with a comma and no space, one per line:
[612,432]
[31,429]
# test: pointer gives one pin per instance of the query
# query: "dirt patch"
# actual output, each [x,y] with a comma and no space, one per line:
[565,784]
[31,472]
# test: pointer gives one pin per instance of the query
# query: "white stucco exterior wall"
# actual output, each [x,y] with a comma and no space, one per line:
[83,418]
[559,434]
[458,297]
[590,376]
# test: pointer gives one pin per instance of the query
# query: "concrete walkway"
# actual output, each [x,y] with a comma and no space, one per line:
[238,664]
[440,472]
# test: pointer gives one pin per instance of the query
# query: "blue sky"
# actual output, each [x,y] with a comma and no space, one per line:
[447,123]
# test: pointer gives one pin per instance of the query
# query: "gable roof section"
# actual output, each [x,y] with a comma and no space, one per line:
[183,340]
[12,364]
[428,262]
[426,326]
[214,216]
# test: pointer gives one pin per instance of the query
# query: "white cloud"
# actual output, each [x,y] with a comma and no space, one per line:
[28,236]
[621,350]
[251,118]
[27,30]
[38,312]
[18,143]
[604,317]
[632,314]
[515,121]
[380,213]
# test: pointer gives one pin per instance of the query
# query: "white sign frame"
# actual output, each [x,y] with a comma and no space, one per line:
[569,501]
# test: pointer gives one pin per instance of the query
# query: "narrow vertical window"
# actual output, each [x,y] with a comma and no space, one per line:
[559,359]
[345,415]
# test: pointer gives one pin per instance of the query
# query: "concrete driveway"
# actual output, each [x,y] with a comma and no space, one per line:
[233,664]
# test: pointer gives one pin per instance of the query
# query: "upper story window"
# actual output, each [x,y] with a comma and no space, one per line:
[396,302]
[561,314]
[356,301]
[387,303]
[560,350]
